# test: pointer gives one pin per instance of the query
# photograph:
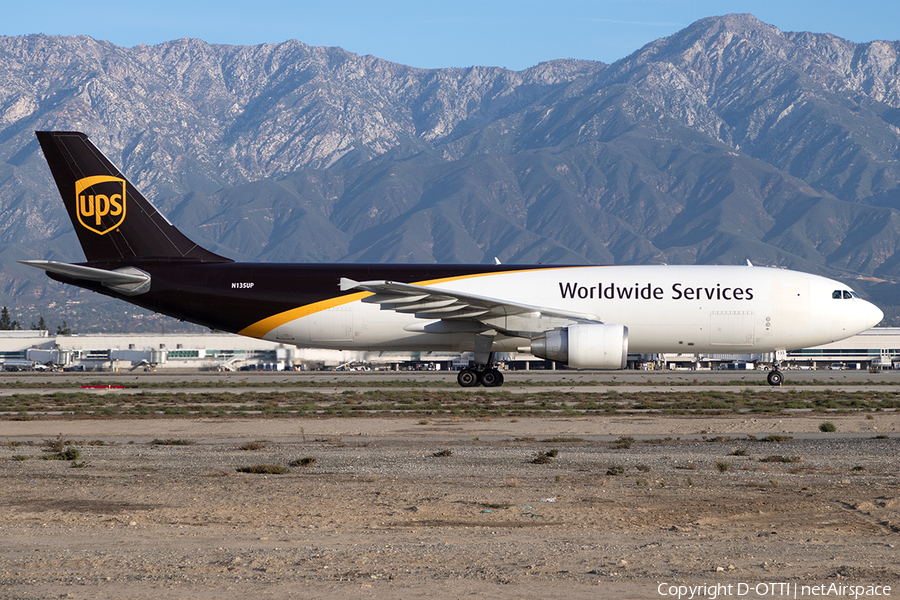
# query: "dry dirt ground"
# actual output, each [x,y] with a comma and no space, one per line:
[382,512]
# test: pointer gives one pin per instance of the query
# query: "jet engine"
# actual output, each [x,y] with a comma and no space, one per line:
[585,346]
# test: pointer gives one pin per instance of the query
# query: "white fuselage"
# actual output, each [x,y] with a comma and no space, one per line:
[690,309]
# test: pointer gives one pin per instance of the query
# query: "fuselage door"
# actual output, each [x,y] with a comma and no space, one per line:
[732,328]
[332,325]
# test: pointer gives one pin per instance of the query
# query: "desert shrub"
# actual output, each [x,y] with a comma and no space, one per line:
[252,446]
[543,458]
[264,469]
[55,445]
[777,458]
[67,454]
[776,438]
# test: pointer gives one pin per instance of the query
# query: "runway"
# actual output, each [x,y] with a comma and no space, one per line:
[518,382]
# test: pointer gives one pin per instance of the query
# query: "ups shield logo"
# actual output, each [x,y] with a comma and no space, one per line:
[100,203]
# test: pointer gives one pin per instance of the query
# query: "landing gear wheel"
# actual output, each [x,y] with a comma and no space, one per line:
[775,378]
[468,378]
[491,378]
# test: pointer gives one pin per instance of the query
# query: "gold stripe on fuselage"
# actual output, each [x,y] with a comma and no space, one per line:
[261,328]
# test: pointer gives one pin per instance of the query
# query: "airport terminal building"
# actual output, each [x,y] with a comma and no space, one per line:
[27,350]
[877,348]
[125,352]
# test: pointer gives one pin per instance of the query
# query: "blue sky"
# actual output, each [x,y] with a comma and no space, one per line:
[439,33]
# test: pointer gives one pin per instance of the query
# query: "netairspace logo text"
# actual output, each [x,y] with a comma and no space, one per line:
[772,590]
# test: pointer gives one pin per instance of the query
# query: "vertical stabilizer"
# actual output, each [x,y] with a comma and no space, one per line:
[114,222]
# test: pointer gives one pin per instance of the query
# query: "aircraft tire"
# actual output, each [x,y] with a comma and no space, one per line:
[491,378]
[775,377]
[468,378]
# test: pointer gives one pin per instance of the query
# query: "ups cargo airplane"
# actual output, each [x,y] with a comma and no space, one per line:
[586,317]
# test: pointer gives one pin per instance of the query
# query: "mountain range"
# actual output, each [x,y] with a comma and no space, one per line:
[726,142]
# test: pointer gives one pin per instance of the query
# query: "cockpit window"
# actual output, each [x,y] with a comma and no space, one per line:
[843,294]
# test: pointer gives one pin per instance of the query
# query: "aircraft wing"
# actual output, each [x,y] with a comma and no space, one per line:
[453,309]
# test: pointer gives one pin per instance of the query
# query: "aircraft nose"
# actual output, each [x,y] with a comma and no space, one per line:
[873,315]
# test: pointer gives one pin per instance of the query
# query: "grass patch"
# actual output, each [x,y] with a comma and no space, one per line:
[443,453]
[423,405]
[827,427]
[306,461]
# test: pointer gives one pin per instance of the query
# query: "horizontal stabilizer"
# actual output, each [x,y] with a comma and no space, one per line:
[127,280]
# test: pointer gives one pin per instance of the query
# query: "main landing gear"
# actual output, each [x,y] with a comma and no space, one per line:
[486,375]
[471,377]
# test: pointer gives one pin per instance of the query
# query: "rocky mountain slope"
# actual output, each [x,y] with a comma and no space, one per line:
[730,140]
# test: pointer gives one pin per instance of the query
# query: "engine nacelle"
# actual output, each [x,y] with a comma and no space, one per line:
[585,346]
